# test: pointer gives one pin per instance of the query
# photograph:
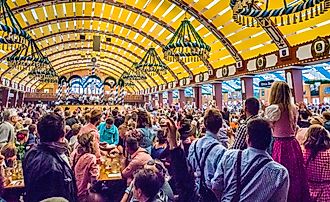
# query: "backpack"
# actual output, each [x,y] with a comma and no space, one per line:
[205,194]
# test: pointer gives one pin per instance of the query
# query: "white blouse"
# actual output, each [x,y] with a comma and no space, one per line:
[272,113]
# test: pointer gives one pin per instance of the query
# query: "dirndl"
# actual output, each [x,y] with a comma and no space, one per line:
[287,152]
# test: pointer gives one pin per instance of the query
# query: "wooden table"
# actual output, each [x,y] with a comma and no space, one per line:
[109,162]
[112,176]
[15,184]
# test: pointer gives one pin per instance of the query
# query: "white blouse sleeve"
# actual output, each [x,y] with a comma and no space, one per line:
[273,113]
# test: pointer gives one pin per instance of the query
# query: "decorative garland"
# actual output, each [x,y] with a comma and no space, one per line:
[151,63]
[244,9]
[186,44]
[12,35]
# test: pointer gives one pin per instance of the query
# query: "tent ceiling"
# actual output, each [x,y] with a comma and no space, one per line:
[136,25]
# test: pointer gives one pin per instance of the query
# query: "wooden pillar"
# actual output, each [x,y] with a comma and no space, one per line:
[170,98]
[295,81]
[182,98]
[198,97]
[4,96]
[218,94]
[160,99]
[247,87]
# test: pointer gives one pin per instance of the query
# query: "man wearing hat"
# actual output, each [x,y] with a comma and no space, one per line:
[7,130]
[95,120]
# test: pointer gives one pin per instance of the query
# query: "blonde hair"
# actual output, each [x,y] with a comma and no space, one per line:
[280,94]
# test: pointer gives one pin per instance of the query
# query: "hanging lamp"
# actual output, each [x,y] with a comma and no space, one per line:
[28,59]
[128,84]
[133,74]
[12,35]
[49,76]
[151,63]
[186,45]
[244,12]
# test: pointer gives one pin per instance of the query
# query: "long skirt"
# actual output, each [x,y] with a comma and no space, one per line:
[287,152]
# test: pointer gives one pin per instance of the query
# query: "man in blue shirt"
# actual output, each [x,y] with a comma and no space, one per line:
[108,132]
[251,175]
[213,123]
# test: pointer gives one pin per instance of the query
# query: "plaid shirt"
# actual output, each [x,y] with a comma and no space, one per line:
[270,183]
[318,175]
[240,140]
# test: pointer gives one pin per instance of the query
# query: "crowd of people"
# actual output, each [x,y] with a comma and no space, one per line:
[274,152]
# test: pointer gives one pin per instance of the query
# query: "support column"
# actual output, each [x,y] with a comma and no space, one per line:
[247,87]
[170,98]
[4,96]
[198,96]
[146,98]
[14,98]
[295,81]
[153,100]
[20,99]
[182,98]
[218,94]
[160,99]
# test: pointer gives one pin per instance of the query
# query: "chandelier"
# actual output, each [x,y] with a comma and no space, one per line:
[186,45]
[48,75]
[133,74]
[12,35]
[244,11]
[151,63]
[128,84]
[29,59]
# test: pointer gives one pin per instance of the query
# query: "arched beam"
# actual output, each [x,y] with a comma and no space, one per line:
[105,20]
[85,31]
[181,4]
[134,29]
[103,50]
[86,48]
[272,30]
[110,44]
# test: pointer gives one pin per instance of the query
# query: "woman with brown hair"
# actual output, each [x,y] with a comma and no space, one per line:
[316,151]
[84,165]
[283,115]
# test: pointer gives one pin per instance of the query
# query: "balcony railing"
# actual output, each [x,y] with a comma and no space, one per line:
[52,97]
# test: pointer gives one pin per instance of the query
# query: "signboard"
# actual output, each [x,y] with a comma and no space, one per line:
[266,84]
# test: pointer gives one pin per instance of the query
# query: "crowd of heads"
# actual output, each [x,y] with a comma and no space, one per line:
[43,124]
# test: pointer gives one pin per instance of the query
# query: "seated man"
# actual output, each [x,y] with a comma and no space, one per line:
[251,174]
[108,132]
[139,157]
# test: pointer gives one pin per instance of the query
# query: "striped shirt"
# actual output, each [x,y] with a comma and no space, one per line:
[212,160]
[270,183]
[240,139]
